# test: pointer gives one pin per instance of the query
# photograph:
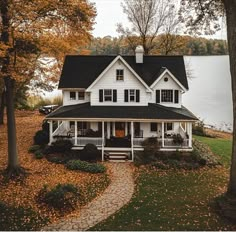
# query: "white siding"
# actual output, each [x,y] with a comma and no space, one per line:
[68,101]
[170,84]
[108,81]
[146,127]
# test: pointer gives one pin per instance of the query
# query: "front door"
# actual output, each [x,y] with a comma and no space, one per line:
[120,129]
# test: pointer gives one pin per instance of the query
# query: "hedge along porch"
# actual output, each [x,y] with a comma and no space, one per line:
[123,135]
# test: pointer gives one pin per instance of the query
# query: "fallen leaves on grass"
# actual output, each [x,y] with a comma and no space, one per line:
[41,172]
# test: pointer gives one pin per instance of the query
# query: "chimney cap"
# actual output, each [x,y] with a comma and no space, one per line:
[139,49]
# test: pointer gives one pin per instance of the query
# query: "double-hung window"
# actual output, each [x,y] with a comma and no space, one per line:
[132,95]
[166,95]
[107,95]
[119,74]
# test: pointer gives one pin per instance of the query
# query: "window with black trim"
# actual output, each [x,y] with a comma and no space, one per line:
[72,95]
[132,95]
[81,95]
[169,126]
[107,94]
[119,74]
[153,126]
[166,95]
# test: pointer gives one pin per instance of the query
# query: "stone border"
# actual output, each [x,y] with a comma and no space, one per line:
[117,194]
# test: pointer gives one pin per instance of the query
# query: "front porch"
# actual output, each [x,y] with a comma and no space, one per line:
[123,135]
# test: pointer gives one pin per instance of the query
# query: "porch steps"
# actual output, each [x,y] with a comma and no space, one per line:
[117,156]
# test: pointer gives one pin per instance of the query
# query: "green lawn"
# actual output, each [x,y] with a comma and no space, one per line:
[176,200]
[221,147]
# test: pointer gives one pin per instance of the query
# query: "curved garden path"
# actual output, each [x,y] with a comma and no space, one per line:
[117,194]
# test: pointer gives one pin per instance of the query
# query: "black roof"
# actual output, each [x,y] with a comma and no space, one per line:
[152,111]
[81,71]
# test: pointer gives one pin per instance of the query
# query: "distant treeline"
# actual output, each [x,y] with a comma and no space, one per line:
[182,45]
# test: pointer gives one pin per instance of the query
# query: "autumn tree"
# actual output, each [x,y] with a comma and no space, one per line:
[203,16]
[147,20]
[35,36]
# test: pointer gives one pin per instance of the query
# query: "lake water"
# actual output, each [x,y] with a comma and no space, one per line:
[209,96]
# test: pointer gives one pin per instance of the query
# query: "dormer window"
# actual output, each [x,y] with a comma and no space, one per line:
[119,74]
[166,95]
[72,95]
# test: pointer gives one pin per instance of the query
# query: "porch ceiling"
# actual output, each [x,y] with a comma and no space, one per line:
[152,112]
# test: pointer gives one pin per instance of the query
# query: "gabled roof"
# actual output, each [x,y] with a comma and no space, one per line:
[162,73]
[127,65]
[152,111]
[81,71]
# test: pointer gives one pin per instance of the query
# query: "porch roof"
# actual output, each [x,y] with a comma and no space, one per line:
[150,112]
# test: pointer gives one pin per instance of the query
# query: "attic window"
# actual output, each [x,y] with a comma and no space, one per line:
[166,79]
[119,74]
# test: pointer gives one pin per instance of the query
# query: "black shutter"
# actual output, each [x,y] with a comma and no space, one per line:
[100,95]
[114,95]
[126,95]
[176,96]
[158,96]
[137,95]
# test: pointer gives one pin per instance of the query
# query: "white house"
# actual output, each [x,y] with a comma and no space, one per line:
[116,102]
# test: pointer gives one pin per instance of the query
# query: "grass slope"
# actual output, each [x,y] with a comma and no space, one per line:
[176,200]
[219,146]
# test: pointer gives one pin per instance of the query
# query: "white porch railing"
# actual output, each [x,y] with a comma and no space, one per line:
[60,130]
[82,141]
[168,142]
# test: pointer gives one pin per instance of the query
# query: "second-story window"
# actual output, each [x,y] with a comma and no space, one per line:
[81,95]
[72,95]
[166,95]
[119,74]
[107,95]
[132,95]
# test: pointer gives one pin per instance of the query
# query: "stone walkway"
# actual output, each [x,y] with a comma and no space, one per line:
[118,193]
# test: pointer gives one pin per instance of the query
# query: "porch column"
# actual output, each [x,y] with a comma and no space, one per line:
[108,130]
[50,132]
[76,133]
[190,134]
[132,141]
[162,134]
[102,140]
[126,128]
[114,129]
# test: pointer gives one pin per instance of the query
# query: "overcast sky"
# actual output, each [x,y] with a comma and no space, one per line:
[110,12]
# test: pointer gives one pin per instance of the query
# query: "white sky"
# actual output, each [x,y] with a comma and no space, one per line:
[110,12]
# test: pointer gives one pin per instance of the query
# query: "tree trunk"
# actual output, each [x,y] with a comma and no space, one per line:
[11,125]
[13,169]
[231,25]
[228,202]
[2,107]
